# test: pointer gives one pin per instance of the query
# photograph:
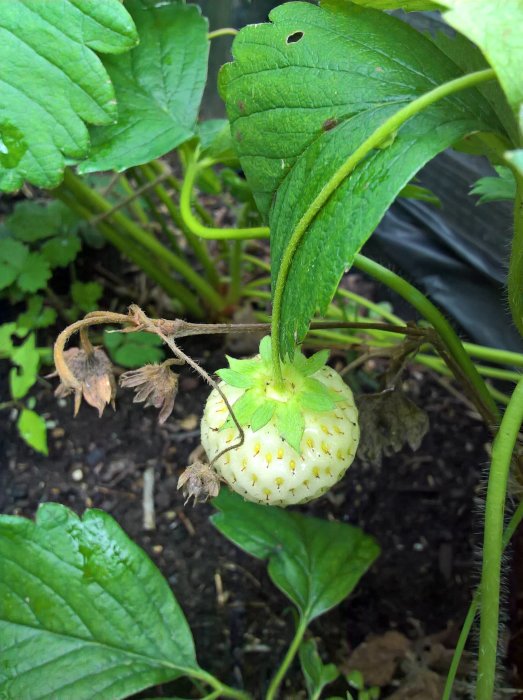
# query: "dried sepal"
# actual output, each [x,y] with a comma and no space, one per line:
[155,385]
[93,379]
[200,482]
[388,421]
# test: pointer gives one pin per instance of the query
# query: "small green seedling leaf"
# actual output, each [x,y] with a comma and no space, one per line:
[62,249]
[27,357]
[158,85]
[355,679]
[33,221]
[56,83]
[13,255]
[316,563]
[34,273]
[83,607]
[7,330]
[134,349]
[36,316]
[317,674]
[33,430]
[86,295]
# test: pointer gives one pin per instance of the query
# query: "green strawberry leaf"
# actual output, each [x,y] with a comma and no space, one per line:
[317,674]
[290,423]
[407,5]
[61,249]
[262,415]
[86,295]
[236,379]
[55,83]
[294,133]
[315,563]
[34,273]
[158,85]
[84,612]
[33,430]
[27,357]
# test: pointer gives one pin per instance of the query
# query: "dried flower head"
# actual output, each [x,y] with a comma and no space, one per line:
[94,377]
[199,481]
[156,385]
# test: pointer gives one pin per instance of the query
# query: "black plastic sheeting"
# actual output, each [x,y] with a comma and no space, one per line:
[458,255]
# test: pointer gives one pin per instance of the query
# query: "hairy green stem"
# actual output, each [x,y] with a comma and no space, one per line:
[235,289]
[515,270]
[511,528]
[198,246]
[384,131]
[502,451]
[447,334]
[95,201]
[200,229]
[287,661]
[138,256]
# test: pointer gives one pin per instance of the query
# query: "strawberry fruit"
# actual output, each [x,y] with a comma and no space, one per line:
[299,439]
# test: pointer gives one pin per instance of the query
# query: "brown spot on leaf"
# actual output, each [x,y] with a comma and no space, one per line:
[329,124]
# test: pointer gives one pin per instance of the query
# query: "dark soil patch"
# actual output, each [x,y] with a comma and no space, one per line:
[421,507]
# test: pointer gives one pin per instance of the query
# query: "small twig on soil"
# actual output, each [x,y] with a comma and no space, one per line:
[149,515]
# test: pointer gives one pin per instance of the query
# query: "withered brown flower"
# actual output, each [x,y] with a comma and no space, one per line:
[199,481]
[156,385]
[93,373]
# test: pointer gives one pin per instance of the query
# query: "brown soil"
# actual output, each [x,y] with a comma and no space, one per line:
[421,507]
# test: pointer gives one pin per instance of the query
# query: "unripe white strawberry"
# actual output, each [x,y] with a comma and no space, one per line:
[299,440]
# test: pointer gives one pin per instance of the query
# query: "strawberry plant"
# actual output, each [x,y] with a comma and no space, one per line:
[332,109]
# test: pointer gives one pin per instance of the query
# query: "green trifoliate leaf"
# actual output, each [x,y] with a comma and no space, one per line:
[262,415]
[55,83]
[240,381]
[317,674]
[316,563]
[290,424]
[266,349]
[158,85]
[84,613]
[33,430]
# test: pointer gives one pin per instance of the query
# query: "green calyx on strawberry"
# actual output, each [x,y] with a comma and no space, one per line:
[298,439]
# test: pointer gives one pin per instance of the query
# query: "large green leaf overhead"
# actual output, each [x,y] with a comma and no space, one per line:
[159,87]
[302,94]
[52,82]
[83,612]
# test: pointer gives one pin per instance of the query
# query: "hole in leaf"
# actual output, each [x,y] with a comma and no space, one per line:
[295,37]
